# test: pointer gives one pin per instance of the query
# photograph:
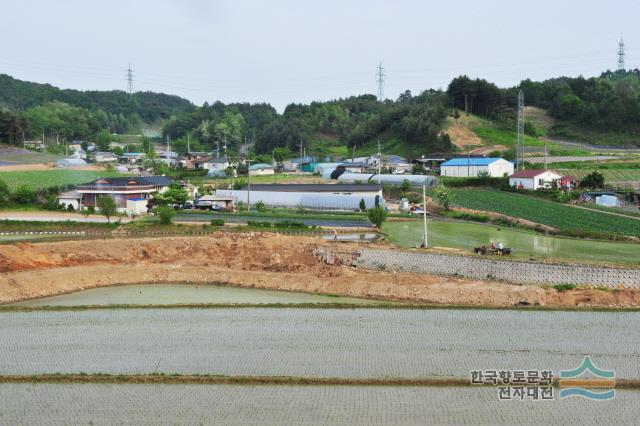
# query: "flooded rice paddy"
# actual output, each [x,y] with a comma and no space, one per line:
[466,236]
[359,343]
[305,405]
[176,294]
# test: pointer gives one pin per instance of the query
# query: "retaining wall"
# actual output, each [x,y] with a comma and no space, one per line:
[519,272]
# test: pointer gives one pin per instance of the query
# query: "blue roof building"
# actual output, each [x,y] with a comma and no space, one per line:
[474,167]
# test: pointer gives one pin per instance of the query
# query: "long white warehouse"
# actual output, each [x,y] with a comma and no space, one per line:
[311,196]
[474,167]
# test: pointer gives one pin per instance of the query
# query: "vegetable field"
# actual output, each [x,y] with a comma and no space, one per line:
[557,215]
[610,175]
[38,179]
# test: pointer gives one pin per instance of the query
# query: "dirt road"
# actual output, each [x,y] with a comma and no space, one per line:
[259,260]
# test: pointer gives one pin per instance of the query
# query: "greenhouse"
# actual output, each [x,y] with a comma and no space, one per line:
[414,180]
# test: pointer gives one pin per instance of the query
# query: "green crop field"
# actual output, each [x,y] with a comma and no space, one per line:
[557,215]
[38,179]
[610,175]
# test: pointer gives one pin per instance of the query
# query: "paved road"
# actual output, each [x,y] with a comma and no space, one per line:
[363,343]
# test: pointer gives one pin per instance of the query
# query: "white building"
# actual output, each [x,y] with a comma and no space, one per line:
[534,179]
[311,196]
[219,164]
[474,167]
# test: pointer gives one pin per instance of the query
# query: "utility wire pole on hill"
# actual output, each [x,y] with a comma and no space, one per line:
[520,141]
[621,55]
[380,75]
[130,80]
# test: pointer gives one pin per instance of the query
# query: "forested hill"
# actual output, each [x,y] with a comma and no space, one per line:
[604,109]
[19,96]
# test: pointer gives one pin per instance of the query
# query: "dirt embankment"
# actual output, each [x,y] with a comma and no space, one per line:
[252,260]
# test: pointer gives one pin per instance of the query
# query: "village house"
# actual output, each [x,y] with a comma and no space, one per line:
[534,179]
[218,164]
[474,167]
[194,160]
[121,189]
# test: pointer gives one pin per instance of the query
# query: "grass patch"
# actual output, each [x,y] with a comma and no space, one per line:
[55,178]
[561,288]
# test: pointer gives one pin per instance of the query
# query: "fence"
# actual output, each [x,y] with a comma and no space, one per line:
[518,272]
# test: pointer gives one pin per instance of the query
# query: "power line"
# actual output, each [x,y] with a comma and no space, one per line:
[380,75]
[621,55]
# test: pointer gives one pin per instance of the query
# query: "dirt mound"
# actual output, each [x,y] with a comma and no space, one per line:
[259,260]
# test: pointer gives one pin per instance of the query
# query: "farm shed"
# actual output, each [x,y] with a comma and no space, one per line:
[70,198]
[534,179]
[396,180]
[473,167]
[312,196]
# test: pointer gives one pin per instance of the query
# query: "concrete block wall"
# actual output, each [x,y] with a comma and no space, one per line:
[519,272]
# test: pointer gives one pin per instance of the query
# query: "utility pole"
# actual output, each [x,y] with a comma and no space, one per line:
[468,162]
[621,55]
[248,185]
[425,241]
[545,155]
[188,141]
[130,80]
[380,75]
[168,151]
[379,161]
[520,140]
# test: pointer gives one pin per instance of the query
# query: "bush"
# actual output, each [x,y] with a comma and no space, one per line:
[24,195]
[258,224]
[363,205]
[166,214]
[260,207]
[467,216]
[593,180]
[217,222]
[4,193]
[70,208]
[564,287]
[91,209]
[377,216]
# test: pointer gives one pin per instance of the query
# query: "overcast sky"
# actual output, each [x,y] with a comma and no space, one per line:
[283,51]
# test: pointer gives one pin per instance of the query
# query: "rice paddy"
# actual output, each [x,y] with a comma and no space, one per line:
[351,343]
[62,404]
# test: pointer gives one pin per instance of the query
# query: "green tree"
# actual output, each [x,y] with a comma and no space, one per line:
[442,196]
[107,206]
[103,140]
[362,205]
[377,216]
[166,214]
[405,185]
[593,180]
[4,193]
[24,195]
[175,194]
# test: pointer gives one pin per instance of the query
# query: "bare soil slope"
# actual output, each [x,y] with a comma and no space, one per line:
[258,260]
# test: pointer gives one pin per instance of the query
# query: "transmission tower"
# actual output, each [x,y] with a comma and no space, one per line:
[520,142]
[380,75]
[130,80]
[621,55]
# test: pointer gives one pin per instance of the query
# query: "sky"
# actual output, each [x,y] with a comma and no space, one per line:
[285,51]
